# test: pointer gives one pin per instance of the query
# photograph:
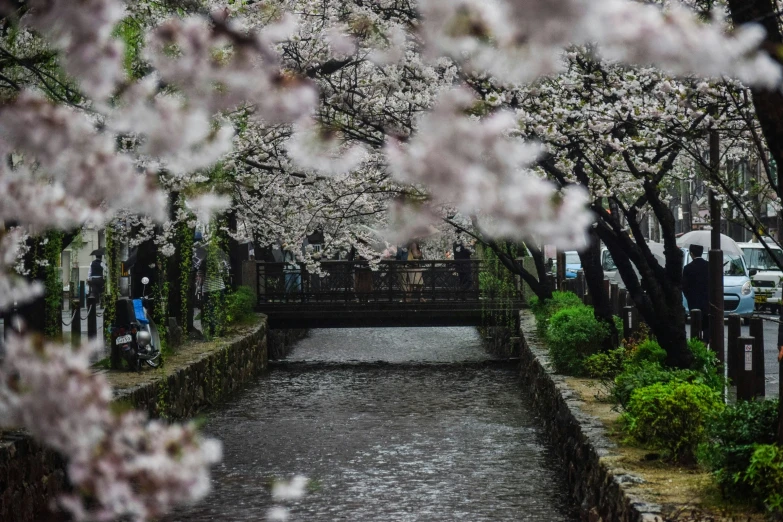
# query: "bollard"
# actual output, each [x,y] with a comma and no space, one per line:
[696,323]
[745,373]
[757,332]
[92,318]
[614,298]
[630,321]
[76,325]
[580,284]
[82,295]
[732,360]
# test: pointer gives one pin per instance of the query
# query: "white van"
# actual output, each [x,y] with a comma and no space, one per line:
[765,275]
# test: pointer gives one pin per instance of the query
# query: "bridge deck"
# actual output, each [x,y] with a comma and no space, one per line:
[394,293]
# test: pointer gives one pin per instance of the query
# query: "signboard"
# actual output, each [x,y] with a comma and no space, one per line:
[748,357]
[630,319]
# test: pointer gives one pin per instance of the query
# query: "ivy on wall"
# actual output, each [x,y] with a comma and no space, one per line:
[52,247]
[213,314]
[497,282]
[111,290]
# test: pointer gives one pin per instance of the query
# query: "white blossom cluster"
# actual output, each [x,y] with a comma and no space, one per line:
[121,465]
[474,165]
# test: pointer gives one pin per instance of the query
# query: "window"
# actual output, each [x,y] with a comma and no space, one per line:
[572,258]
[607,263]
[760,259]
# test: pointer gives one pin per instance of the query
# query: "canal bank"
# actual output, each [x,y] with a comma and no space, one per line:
[197,376]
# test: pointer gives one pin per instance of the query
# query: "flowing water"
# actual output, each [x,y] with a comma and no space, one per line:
[396,424]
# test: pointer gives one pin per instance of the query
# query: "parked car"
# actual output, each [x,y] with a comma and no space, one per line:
[738,295]
[572,264]
[765,274]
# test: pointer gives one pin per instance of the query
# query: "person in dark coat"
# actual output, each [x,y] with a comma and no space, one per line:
[95,277]
[695,287]
[462,256]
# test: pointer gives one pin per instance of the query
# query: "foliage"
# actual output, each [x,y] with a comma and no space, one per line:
[765,476]
[496,280]
[240,304]
[52,249]
[572,335]
[644,367]
[544,310]
[731,439]
[605,366]
[647,350]
[672,416]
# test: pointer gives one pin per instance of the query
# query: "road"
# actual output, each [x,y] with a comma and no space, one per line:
[771,366]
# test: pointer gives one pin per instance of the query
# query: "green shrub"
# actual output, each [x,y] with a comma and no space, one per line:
[706,365]
[605,365]
[648,350]
[731,439]
[765,477]
[239,305]
[640,375]
[543,310]
[672,416]
[572,335]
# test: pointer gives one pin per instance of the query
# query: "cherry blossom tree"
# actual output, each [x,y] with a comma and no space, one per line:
[305,116]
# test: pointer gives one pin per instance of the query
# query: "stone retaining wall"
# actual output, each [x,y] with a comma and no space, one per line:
[197,376]
[603,491]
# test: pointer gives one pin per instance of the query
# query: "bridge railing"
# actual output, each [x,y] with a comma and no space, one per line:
[351,281]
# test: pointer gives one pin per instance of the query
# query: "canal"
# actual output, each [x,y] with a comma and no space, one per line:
[396,424]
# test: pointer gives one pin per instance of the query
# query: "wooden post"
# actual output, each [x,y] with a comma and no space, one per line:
[580,284]
[735,330]
[561,278]
[745,373]
[757,332]
[696,323]
[92,318]
[614,296]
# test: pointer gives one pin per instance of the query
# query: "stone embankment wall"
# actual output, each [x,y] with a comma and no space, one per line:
[196,377]
[602,490]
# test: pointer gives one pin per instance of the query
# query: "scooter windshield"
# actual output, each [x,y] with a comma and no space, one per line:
[138,309]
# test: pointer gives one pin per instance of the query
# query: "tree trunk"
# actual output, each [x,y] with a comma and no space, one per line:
[594,277]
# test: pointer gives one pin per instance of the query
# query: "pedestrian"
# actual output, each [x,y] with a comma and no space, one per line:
[95,278]
[414,274]
[462,256]
[695,287]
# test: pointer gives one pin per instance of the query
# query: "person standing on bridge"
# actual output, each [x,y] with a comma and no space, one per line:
[462,256]
[695,286]
[413,276]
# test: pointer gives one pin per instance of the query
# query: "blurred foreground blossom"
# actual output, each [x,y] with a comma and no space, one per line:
[121,464]
[477,166]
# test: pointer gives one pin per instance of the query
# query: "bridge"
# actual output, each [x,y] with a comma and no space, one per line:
[351,294]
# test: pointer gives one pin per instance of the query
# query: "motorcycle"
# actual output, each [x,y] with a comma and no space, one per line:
[135,338]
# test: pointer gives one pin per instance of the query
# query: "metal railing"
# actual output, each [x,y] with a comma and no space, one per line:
[388,281]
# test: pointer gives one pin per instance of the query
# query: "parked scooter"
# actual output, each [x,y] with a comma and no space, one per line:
[135,338]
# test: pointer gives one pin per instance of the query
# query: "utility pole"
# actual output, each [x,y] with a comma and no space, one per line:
[716,257]
[685,204]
